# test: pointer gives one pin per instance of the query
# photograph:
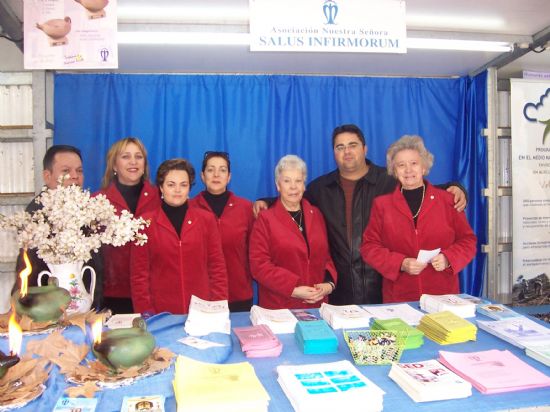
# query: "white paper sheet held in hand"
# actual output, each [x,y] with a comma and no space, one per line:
[425,256]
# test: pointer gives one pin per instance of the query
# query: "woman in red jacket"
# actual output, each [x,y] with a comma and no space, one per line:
[416,216]
[126,185]
[235,219]
[183,255]
[289,253]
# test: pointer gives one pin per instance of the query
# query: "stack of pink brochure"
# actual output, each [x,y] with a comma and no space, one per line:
[494,371]
[258,341]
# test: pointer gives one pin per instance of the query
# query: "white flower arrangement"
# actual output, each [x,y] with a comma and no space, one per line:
[71,224]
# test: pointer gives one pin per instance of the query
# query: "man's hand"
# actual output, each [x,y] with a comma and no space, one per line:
[459,197]
[258,206]
[412,266]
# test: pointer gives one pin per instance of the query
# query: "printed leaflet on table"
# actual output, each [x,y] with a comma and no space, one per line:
[345,316]
[207,317]
[315,337]
[452,303]
[429,380]
[414,337]
[278,320]
[402,311]
[446,328]
[258,341]
[496,311]
[334,386]
[519,331]
[494,371]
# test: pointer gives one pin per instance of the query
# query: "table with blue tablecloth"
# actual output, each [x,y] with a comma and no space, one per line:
[167,329]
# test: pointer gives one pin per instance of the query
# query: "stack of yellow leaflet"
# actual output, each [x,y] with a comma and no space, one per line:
[446,328]
[201,387]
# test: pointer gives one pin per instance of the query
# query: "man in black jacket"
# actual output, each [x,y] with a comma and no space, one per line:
[345,198]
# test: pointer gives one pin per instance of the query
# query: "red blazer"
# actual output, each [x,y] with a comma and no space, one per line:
[235,225]
[168,269]
[391,237]
[116,260]
[279,256]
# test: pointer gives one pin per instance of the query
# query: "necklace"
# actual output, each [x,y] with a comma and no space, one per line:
[297,215]
[421,201]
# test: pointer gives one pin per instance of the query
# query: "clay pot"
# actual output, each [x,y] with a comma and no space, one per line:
[42,303]
[6,362]
[56,28]
[93,5]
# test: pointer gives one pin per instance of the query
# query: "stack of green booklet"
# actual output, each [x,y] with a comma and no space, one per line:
[415,338]
[446,328]
[315,337]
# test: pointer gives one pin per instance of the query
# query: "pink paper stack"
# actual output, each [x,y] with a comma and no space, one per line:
[258,341]
[494,371]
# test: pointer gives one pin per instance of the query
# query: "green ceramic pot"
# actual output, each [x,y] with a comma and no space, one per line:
[123,348]
[42,303]
[6,362]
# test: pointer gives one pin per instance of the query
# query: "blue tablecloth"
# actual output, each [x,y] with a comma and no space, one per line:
[169,328]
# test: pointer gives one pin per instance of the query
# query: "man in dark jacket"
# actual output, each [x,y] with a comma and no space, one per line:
[60,160]
[345,198]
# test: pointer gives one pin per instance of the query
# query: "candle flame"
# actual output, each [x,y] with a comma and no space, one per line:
[97,328]
[24,275]
[15,335]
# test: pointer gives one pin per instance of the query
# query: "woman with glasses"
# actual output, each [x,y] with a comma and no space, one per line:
[126,185]
[235,219]
[183,255]
[416,216]
[289,252]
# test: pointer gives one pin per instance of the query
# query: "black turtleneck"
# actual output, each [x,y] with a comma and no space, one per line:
[414,199]
[130,194]
[175,214]
[216,202]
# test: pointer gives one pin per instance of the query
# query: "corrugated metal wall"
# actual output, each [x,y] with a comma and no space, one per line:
[16,156]
[16,105]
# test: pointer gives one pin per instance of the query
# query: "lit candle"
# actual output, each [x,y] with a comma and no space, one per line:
[97,330]
[15,335]
[24,275]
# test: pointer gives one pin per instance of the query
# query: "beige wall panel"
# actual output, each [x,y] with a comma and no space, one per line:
[15,105]
[16,167]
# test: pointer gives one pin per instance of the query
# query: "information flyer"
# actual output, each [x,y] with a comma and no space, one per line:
[70,34]
[530,116]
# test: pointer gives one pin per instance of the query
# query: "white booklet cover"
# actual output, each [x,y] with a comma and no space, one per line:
[453,303]
[207,317]
[519,331]
[403,311]
[345,316]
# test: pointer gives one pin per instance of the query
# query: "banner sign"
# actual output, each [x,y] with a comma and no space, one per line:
[362,26]
[530,116]
[70,34]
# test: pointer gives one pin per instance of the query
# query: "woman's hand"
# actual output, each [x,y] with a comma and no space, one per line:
[412,266]
[440,262]
[310,294]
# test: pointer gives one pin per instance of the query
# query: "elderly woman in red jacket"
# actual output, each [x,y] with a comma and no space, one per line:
[235,219]
[289,253]
[126,185]
[183,255]
[416,216]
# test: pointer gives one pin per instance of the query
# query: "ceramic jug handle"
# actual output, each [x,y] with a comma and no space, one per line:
[39,280]
[92,279]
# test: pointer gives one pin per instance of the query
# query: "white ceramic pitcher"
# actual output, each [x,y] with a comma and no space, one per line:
[69,276]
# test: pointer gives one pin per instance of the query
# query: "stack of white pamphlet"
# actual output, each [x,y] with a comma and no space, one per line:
[278,320]
[335,386]
[452,303]
[207,316]
[429,380]
[346,316]
[540,353]
[403,311]
[519,331]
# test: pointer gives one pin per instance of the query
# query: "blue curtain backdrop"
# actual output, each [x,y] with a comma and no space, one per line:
[258,119]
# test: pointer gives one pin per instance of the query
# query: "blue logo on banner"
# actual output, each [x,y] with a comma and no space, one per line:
[104,53]
[330,10]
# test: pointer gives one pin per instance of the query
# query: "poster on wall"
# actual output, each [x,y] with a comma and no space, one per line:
[70,34]
[374,26]
[530,116]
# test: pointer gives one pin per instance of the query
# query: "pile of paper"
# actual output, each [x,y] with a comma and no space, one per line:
[278,320]
[429,380]
[452,303]
[403,311]
[540,353]
[336,386]
[207,316]
[346,316]
[206,387]
[414,337]
[496,311]
[315,337]
[258,341]
[446,328]
[494,371]
[519,331]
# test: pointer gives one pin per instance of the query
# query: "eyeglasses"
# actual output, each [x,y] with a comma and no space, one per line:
[350,146]
[209,154]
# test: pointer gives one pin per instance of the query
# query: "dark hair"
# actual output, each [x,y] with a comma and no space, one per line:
[209,155]
[47,162]
[348,128]
[175,164]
